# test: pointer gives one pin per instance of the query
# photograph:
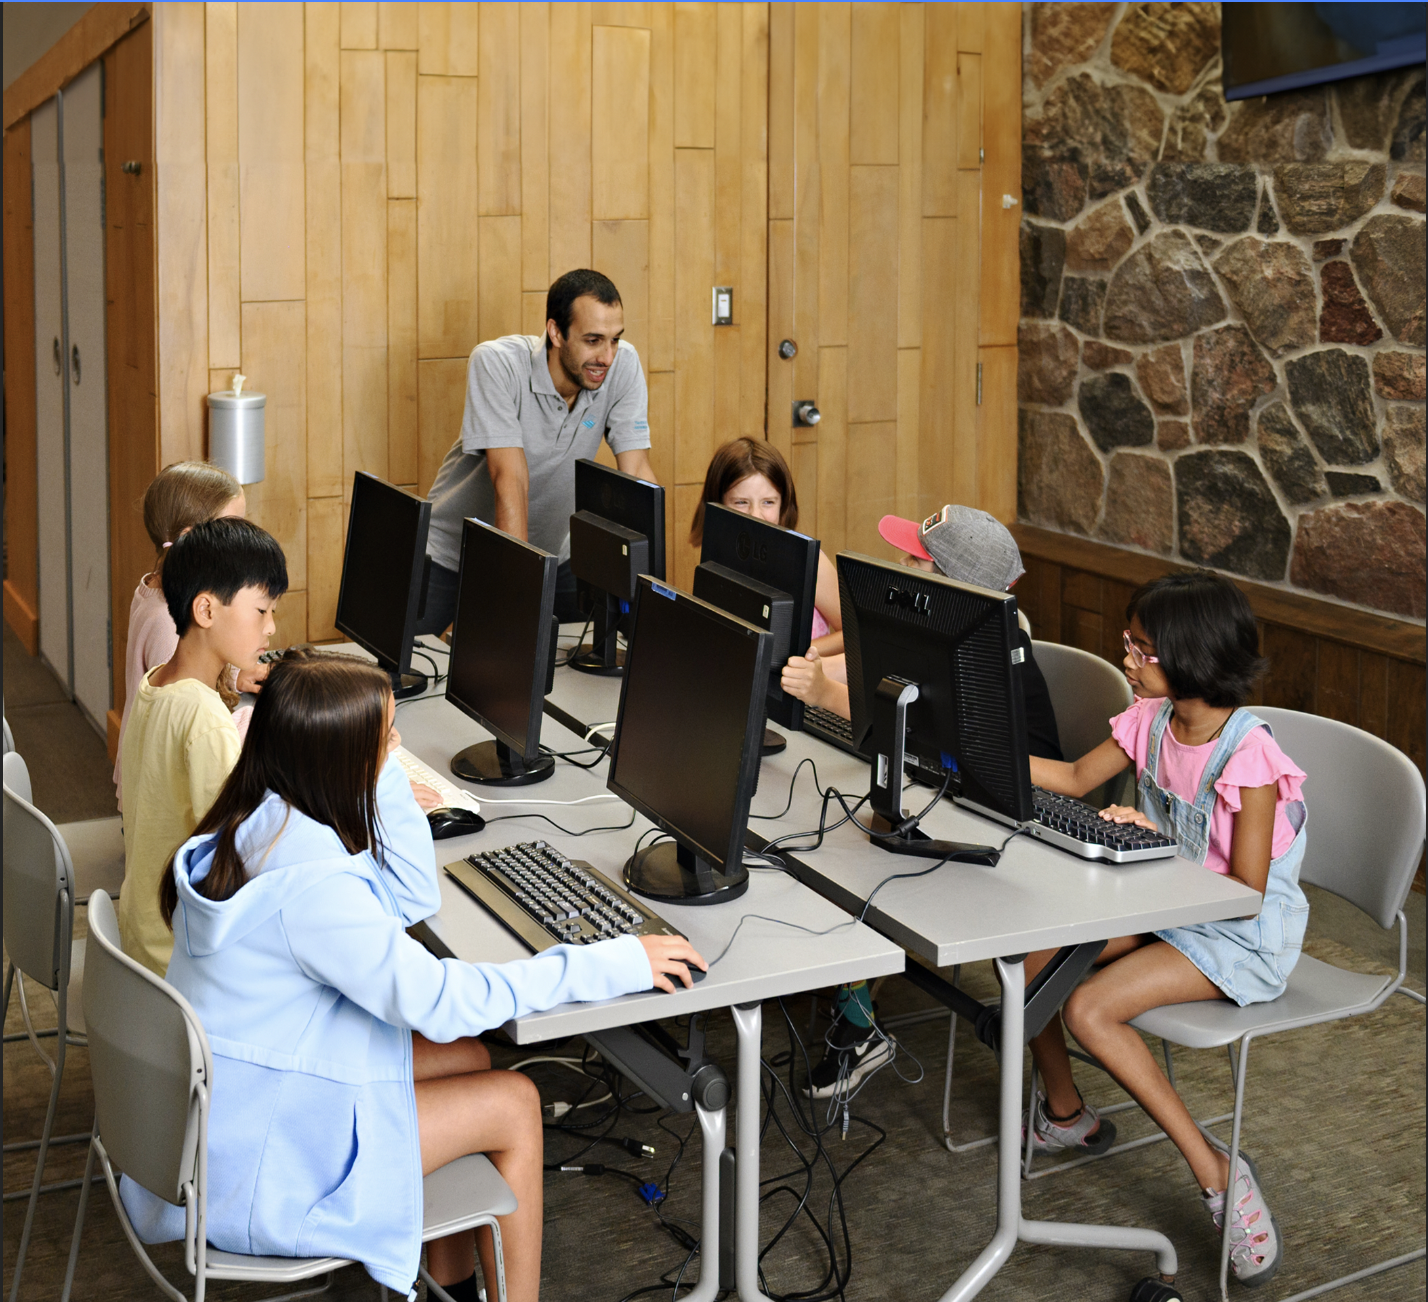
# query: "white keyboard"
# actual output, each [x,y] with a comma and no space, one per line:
[450,794]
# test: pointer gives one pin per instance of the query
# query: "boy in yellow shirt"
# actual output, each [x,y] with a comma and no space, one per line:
[221,581]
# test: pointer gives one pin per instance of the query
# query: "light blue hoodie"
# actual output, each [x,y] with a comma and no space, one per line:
[309,988]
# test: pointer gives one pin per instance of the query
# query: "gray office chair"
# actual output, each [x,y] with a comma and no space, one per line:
[9,737]
[39,939]
[152,1070]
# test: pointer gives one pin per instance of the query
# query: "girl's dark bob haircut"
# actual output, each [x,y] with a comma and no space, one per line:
[1204,634]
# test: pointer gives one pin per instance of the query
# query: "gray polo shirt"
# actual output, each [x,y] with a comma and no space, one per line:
[511,402]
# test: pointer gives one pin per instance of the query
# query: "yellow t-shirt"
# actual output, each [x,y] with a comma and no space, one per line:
[179,748]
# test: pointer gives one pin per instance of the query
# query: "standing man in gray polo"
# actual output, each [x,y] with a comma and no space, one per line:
[536,404]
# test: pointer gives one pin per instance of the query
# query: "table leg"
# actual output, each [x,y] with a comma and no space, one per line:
[1010,1225]
[712,1124]
[748,1023]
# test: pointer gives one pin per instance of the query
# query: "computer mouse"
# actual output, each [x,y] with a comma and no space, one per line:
[452,820]
[696,974]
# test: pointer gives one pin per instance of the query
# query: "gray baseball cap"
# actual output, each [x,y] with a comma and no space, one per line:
[964,543]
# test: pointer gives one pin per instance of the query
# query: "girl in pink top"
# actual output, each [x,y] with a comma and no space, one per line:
[1210,775]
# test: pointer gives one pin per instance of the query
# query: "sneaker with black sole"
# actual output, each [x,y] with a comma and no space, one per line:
[853,1051]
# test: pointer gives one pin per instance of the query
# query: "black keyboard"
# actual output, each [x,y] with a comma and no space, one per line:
[1078,827]
[546,899]
[832,728]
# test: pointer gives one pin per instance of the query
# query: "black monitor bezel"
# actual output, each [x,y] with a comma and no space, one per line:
[590,474]
[528,746]
[422,506]
[728,858]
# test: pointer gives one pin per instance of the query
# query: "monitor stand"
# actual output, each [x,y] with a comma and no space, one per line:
[602,654]
[673,875]
[773,742]
[495,764]
[405,686]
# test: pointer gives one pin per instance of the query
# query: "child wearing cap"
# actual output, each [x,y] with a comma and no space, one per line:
[972,547]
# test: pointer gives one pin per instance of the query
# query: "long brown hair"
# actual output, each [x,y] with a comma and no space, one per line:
[183,495]
[736,460]
[318,740]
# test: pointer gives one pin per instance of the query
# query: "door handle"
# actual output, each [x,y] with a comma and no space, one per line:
[59,365]
[74,362]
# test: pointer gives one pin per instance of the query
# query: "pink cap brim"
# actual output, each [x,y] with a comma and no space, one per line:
[903,534]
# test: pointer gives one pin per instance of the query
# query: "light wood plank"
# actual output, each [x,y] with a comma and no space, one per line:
[754,187]
[446,203]
[969,111]
[872,294]
[970,23]
[834,58]
[322,126]
[532,312]
[875,59]
[535,166]
[693,333]
[680,557]
[936,404]
[291,619]
[996,439]
[448,40]
[622,252]
[498,114]
[728,187]
[909,192]
[570,144]
[662,101]
[620,149]
[274,336]
[359,25]
[778,420]
[909,376]
[661,392]
[808,182]
[966,324]
[872,484]
[498,307]
[326,540]
[402,338]
[401,123]
[939,110]
[397,26]
[695,41]
[1001,175]
[621,14]
[442,395]
[224,260]
[833,449]
[780,115]
[804,464]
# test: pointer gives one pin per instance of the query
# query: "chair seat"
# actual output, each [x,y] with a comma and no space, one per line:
[461,1194]
[96,849]
[1317,992]
[269,1270]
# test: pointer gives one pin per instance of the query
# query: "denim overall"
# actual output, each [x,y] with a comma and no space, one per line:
[1250,959]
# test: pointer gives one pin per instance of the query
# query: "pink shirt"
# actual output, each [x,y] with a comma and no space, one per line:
[820,625]
[1256,763]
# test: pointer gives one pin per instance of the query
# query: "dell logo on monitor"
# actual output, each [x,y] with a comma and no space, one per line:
[917,602]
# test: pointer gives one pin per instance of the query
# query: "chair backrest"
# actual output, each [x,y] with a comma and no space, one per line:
[1366,808]
[150,1061]
[38,884]
[1085,692]
[9,737]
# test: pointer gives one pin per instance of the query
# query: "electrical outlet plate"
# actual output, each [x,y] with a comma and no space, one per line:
[723,305]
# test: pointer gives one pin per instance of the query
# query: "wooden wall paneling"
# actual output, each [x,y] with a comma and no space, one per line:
[620,13]
[498,115]
[22,600]
[909,177]
[660,354]
[661,394]
[680,557]
[1115,597]
[1293,658]
[1081,591]
[969,110]
[971,26]
[936,444]
[274,338]
[808,189]
[728,217]
[753,195]
[1406,720]
[621,250]
[873,293]
[397,26]
[401,124]
[446,206]
[834,110]
[832,481]
[876,49]
[780,111]
[779,424]
[909,423]
[804,463]
[1083,629]
[1373,693]
[535,171]
[1001,175]
[939,110]
[571,140]
[441,388]
[291,619]
[965,320]
[996,434]
[402,409]
[181,213]
[359,25]
[270,149]
[447,39]
[498,306]
[695,40]
[694,435]
[620,144]
[326,540]
[1336,683]
[364,264]
[533,312]
[872,485]
[220,52]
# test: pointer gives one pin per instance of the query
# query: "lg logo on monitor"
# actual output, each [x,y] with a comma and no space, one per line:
[748,550]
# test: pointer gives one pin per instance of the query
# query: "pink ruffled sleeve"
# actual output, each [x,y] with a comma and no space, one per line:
[1257,763]
[1131,729]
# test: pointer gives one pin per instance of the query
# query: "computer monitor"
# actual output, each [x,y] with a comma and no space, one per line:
[502,643]
[616,534]
[933,671]
[686,750]
[384,570]
[769,559]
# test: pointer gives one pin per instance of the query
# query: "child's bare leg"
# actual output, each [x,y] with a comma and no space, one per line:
[472,1109]
[1098,1015]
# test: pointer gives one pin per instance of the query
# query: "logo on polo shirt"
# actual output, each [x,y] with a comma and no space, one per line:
[589,424]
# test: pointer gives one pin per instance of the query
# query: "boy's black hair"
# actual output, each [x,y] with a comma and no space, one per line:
[223,557]
[1204,634]
[561,296]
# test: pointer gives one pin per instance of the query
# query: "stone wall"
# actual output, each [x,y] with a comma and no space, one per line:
[1222,333]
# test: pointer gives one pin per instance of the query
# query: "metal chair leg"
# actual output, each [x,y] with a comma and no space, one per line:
[57,1070]
[79,1219]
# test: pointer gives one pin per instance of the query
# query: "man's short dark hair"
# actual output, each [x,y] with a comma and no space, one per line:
[223,557]
[560,297]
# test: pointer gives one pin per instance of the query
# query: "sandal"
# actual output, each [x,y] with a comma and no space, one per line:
[1256,1248]
[1080,1131]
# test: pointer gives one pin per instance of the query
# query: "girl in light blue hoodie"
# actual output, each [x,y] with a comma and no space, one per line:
[344,1066]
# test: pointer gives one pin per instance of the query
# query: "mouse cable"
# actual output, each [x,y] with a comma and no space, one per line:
[584,800]
[565,831]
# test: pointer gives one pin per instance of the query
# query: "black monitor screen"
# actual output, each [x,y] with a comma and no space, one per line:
[958,644]
[500,641]
[622,499]
[686,747]
[382,570]
[780,558]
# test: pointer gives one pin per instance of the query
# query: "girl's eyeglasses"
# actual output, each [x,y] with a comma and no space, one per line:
[1138,657]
